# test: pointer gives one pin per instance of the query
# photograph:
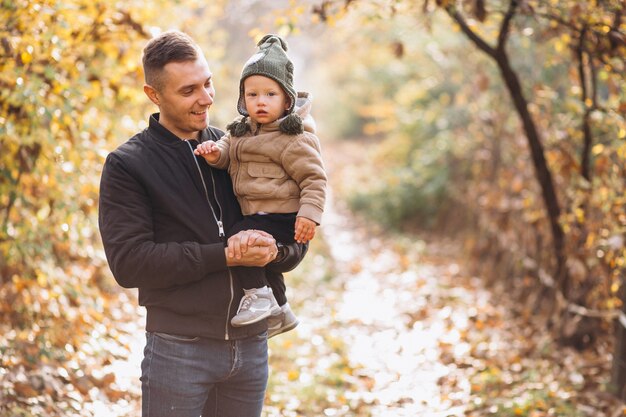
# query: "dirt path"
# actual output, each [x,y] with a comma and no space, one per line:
[377,324]
[394,312]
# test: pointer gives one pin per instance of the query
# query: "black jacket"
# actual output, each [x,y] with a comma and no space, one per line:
[161,235]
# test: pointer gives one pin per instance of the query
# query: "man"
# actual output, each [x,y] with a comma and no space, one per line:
[162,219]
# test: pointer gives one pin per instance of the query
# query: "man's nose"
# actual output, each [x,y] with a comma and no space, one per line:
[206,98]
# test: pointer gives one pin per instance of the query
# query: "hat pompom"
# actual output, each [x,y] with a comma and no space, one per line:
[291,125]
[270,39]
[238,127]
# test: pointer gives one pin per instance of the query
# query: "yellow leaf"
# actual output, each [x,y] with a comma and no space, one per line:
[42,279]
[580,214]
[559,47]
[615,287]
[26,57]
[597,149]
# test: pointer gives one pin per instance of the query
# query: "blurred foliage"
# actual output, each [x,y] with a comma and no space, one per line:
[66,68]
[452,146]
[71,78]
[379,97]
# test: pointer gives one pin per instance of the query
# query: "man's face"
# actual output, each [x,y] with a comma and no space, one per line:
[185,97]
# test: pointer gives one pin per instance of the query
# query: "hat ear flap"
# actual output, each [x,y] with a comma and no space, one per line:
[291,125]
[238,127]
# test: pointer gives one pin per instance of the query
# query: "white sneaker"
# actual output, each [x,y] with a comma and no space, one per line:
[282,322]
[255,305]
[276,310]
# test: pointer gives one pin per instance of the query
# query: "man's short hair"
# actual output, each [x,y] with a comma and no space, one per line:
[170,46]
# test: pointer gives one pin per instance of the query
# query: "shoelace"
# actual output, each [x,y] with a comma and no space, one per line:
[246,300]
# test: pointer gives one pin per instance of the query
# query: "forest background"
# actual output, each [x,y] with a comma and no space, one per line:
[499,123]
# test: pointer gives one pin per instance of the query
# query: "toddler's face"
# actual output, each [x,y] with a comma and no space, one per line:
[265,99]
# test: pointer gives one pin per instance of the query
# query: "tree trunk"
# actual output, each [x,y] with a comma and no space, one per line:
[585,158]
[542,171]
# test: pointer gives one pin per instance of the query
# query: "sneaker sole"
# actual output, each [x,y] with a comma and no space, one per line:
[280,330]
[251,321]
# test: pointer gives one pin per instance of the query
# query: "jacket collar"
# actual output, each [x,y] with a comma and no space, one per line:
[162,135]
[265,128]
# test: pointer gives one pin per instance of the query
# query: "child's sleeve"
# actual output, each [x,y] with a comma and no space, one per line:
[302,160]
[224,146]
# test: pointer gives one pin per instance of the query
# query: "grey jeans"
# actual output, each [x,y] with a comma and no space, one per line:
[179,373]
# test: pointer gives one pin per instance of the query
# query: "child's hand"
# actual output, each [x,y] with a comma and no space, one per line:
[305,229]
[209,151]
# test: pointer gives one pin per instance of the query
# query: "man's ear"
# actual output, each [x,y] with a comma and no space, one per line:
[151,93]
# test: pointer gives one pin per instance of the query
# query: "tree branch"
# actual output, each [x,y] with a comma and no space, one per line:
[506,25]
[585,162]
[473,36]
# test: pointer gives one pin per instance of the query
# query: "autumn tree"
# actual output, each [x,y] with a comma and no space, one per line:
[66,66]
[561,66]
[71,78]
[590,35]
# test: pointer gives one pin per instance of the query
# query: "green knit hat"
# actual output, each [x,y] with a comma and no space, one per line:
[271,61]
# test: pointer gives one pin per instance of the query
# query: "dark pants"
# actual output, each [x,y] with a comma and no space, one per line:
[282,228]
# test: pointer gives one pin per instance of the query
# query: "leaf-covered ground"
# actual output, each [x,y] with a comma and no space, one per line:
[391,326]
[396,326]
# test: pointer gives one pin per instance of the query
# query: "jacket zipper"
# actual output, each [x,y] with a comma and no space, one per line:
[220,226]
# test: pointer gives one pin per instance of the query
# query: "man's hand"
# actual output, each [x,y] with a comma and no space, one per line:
[209,151]
[250,248]
[305,229]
